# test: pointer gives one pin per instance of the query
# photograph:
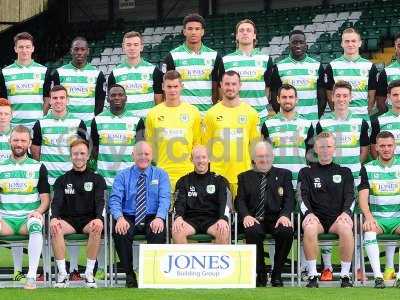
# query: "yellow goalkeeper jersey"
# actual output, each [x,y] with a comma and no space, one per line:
[172,133]
[228,133]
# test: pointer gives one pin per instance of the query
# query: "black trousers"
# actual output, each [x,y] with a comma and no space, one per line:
[123,242]
[283,242]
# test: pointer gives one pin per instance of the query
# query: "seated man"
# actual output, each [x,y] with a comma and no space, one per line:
[265,201]
[24,197]
[201,199]
[77,207]
[379,198]
[139,203]
[327,203]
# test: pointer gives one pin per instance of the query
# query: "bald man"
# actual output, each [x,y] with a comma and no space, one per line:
[201,200]
[139,204]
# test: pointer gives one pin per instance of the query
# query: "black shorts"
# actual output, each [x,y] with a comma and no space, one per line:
[201,223]
[326,222]
[78,223]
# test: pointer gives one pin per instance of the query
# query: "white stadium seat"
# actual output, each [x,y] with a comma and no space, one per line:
[331,17]
[107,51]
[95,61]
[319,19]
[117,51]
[148,31]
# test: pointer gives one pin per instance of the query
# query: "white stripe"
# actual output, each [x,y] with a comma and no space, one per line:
[185,55]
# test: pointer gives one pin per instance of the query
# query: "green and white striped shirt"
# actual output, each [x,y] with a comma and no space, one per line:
[305,76]
[361,74]
[138,83]
[25,90]
[115,137]
[350,134]
[389,121]
[253,70]
[198,71]
[81,86]
[5,149]
[19,180]
[383,183]
[55,135]
[289,139]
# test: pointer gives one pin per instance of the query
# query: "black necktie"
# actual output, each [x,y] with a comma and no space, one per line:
[260,206]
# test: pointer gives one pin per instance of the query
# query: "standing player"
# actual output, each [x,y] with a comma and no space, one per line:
[253,66]
[230,127]
[389,121]
[305,74]
[113,135]
[352,143]
[380,200]
[141,79]
[24,198]
[200,67]
[289,132]
[358,71]
[390,73]
[172,128]
[25,83]
[84,83]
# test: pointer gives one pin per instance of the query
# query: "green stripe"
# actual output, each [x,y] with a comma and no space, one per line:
[74,79]
[117,157]
[24,75]
[385,208]
[292,160]
[197,93]
[192,61]
[19,206]
[139,105]
[27,106]
[55,157]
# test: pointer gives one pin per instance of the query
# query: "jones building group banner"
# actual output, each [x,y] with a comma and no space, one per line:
[197,266]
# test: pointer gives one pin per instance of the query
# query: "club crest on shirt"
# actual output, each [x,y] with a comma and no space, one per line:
[184,118]
[88,186]
[337,178]
[37,76]
[312,72]
[30,174]
[91,79]
[242,119]
[164,68]
[145,76]
[208,62]
[280,191]
[210,189]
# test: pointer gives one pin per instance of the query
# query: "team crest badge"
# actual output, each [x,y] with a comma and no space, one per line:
[30,174]
[242,119]
[184,118]
[337,178]
[91,79]
[145,76]
[280,191]
[364,72]
[210,189]
[88,186]
[37,76]
[312,72]
[129,126]
[208,62]
[164,68]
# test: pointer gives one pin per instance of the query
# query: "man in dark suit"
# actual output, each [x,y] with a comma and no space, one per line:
[265,201]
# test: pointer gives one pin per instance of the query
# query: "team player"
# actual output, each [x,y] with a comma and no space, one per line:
[141,79]
[389,121]
[352,143]
[386,76]
[289,133]
[230,127]
[25,83]
[358,71]
[5,152]
[253,66]
[53,134]
[77,207]
[114,135]
[24,198]
[379,200]
[200,67]
[327,204]
[84,83]
[172,128]
[304,73]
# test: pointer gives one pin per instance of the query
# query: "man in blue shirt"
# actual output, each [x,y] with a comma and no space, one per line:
[139,204]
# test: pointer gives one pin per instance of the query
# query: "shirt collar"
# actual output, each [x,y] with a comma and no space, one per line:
[23,66]
[188,50]
[147,171]
[298,61]
[20,161]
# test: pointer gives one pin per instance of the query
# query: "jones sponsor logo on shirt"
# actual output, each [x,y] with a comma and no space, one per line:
[69,189]
[386,187]
[17,186]
[79,91]
[197,265]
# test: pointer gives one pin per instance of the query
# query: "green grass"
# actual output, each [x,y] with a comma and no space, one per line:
[248,294]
